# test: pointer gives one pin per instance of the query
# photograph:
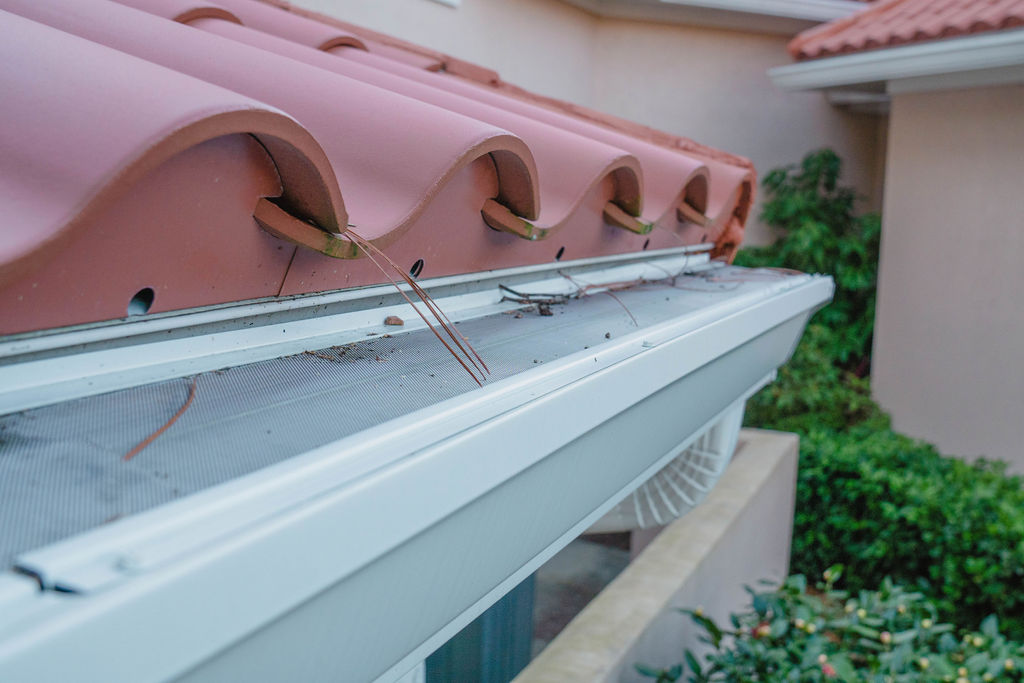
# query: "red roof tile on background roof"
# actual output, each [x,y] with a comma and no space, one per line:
[425,162]
[888,23]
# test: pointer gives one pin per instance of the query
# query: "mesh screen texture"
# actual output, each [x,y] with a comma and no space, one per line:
[62,467]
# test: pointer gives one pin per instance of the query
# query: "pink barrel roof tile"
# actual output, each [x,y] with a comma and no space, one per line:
[661,167]
[390,152]
[60,164]
[228,150]
[889,23]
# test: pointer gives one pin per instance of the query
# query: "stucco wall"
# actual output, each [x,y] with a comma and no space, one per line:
[707,84]
[949,344]
[711,85]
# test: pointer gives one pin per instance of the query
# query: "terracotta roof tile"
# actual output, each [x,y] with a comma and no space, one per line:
[888,23]
[155,174]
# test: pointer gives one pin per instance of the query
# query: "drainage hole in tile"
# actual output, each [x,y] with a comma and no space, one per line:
[560,254]
[417,268]
[142,301]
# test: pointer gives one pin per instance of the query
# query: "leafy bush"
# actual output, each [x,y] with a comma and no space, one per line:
[822,387]
[887,506]
[822,234]
[890,634]
[813,392]
[868,498]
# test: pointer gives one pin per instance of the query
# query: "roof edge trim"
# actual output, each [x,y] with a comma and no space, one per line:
[980,54]
[780,17]
[811,10]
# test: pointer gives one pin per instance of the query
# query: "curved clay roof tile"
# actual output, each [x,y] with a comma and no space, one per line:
[313,34]
[568,165]
[675,177]
[61,164]
[378,43]
[667,173]
[391,154]
[184,11]
[184,141]
[319,36]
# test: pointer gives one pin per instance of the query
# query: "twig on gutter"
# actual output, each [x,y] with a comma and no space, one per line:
[607,289]
[369,250]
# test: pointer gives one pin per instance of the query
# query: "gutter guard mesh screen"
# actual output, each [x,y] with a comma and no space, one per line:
[62,470]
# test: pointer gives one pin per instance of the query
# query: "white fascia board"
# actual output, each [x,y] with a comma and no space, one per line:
[782,17]
[933,65]
[810,10]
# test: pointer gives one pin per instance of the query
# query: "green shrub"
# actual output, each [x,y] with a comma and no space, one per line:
[820,233]
[822,387]
[813,392]
[886,505]
[868,498]
[890,634]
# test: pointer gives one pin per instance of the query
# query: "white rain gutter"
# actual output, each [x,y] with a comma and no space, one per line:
[361,556]
[985,59]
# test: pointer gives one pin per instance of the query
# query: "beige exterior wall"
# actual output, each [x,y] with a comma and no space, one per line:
[703,83]
[711,85]
[949,343]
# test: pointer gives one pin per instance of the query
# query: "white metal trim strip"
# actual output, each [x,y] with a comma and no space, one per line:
[83,335]
[82,372]
[811,10]
[947,56]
